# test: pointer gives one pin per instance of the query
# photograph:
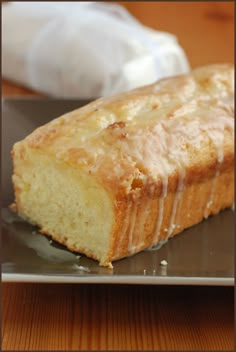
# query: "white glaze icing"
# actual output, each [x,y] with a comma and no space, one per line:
[143,217]
[81,268]
[161,210]
[215,131]
[176,201]
[157,246]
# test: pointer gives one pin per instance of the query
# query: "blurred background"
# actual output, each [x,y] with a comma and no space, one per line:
[205,29]
[97,50]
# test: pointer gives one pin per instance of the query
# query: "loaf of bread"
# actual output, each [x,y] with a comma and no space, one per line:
[126,172]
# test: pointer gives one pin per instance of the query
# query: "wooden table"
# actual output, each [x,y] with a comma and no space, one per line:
[109,317]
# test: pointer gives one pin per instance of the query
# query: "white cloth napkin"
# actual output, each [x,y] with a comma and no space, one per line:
[84,49]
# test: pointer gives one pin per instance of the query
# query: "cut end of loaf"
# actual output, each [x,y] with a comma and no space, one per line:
[67,205]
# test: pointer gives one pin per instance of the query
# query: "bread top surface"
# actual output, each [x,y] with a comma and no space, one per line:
[148,138]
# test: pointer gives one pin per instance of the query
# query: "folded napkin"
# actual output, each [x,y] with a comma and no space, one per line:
[84,49]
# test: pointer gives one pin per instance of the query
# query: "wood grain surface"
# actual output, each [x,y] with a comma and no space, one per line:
[108,317]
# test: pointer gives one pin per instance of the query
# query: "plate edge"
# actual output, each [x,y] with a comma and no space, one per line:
[121,279]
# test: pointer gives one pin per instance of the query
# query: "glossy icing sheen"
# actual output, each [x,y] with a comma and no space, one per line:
[148,140]
[145,132]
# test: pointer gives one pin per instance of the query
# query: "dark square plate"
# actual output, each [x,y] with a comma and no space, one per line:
[201,255]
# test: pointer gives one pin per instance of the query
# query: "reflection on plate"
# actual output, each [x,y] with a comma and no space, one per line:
[200,255]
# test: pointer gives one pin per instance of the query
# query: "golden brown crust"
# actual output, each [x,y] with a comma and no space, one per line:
[152,150]
[187,215]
